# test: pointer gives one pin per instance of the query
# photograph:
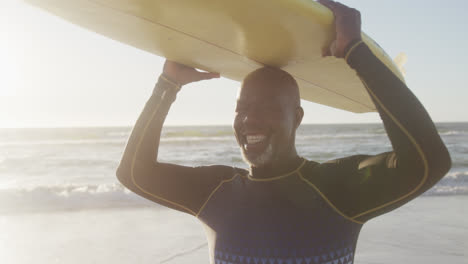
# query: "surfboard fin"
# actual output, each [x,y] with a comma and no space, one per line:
[400,60]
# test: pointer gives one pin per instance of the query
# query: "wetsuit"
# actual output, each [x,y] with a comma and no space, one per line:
[312,214]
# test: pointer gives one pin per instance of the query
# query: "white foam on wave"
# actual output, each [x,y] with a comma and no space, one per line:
[191,139]
[121,141]
[339,136]
[68,197]
[59,197]
[62,142]
[453,132]
[454,183]
[118,133]
[457,174]
[447,190]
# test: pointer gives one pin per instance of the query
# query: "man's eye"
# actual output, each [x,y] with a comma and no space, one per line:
[240,109]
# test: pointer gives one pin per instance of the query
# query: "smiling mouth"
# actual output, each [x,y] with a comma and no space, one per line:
[254,139]
[255,143]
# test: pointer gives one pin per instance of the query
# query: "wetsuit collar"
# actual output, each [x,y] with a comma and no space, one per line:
[261,174]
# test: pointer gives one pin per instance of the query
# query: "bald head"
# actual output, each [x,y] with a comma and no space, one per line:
[273,81]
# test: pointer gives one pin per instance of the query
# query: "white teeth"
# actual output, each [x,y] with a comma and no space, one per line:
[253,139]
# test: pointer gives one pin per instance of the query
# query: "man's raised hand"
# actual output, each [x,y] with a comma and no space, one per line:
[183,75]
[347,27]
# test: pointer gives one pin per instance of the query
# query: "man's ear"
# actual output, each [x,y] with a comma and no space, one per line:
[299,116]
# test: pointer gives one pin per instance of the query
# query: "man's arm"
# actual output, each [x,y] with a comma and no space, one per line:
[182,188]
[365,186]
[418,151]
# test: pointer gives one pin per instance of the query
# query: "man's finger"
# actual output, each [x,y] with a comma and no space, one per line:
[334,6]
[328,3]
[340,5]
[326,52]
[208,75]
[325,2]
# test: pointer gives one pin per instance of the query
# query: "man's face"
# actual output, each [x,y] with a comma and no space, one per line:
[265,121]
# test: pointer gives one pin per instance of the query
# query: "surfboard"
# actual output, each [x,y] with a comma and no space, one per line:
[233,37]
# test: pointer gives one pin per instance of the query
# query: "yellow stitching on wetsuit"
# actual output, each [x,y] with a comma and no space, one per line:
[352,48]
[278,177]
[416,145]
[178,86]
[328,201]
[134,159]
[213,192]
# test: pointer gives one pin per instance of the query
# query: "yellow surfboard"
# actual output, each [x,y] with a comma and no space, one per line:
[233,37]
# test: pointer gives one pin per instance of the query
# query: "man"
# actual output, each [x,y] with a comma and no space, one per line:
[287,209]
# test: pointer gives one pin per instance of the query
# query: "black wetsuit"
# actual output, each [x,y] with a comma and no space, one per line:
[310,215]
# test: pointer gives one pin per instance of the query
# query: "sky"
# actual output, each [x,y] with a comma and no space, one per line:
[53,73]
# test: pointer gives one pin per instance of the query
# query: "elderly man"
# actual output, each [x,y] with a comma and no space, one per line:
[287,209]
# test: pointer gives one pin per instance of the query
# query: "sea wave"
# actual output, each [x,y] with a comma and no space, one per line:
[62,142]
[197,133]
[61,197]
[452,132]
[197,139]
[118,133]
[338,136]
[191,136]
[116,141]
[447,190]
[454,183]
[68,197]
[457,175]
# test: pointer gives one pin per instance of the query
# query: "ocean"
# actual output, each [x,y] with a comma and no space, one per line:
[60,201]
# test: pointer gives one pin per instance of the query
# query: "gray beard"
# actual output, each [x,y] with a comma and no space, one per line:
[261,159]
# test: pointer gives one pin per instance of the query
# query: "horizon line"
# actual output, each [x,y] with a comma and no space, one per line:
[201,125]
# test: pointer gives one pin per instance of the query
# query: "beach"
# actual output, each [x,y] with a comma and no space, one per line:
[427,230]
